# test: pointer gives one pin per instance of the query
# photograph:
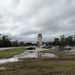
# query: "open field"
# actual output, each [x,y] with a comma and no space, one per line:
[38,66]
[65,54]
[10,52]
[33,66]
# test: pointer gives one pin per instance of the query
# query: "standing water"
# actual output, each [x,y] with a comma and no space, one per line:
[27,54]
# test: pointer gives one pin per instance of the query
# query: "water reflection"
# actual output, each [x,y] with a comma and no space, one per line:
[34,54]
[27,54]
[8,60]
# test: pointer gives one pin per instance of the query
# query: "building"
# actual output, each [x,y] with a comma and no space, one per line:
[39,39]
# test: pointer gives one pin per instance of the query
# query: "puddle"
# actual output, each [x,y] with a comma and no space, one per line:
[48,55]
[34,54]
[2,68]
[8,60]
[27,54]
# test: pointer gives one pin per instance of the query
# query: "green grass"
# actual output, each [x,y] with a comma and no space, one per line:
[56,52]
[60,53]
[39,67]
[10,52]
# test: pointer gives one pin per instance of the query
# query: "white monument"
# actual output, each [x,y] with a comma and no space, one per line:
[40,39]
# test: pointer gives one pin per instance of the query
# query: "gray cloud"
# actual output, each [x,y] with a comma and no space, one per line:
[24,19]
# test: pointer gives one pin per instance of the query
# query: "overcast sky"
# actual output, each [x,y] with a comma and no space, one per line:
[25,19]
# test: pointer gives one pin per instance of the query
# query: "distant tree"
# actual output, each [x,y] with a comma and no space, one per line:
[15,43]
[6,41]
[1,44]
[62,42]
[70,40]
[49,43]
[56,41]
[21,43]
[28,44]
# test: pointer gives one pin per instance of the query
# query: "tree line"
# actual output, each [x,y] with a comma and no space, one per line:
[70,40]
[5,41]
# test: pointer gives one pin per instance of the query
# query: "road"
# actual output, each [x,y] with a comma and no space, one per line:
[38,49]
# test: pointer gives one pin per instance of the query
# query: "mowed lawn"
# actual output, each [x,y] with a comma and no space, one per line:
[10,52]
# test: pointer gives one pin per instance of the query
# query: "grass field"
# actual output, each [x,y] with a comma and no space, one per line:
[10,52]
[60,54]
[40,67]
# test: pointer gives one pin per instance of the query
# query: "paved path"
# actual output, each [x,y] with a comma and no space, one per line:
[9,48]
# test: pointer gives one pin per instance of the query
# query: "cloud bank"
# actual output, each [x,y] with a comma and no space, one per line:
[25,19]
